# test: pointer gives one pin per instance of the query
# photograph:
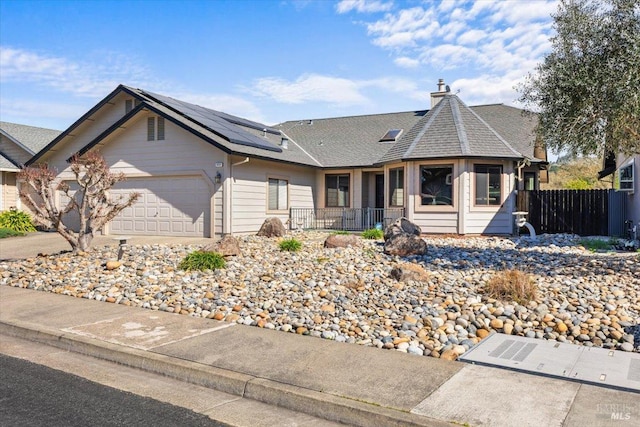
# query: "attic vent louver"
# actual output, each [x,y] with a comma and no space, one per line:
[391,135]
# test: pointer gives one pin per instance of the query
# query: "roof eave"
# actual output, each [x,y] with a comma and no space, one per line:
[77,123]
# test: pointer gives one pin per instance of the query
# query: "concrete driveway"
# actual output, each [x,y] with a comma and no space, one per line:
[33,244]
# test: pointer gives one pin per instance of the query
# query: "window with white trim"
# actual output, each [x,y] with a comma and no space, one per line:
[626,177]
[337,191]
[278,194]
[396,187]
[488,191]
[436,187]
[155,128]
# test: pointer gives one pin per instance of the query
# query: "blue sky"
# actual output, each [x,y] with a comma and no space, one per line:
[268,61]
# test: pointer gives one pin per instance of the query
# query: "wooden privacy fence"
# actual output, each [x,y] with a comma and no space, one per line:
[582,212]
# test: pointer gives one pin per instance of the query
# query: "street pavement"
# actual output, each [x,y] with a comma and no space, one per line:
[337,382]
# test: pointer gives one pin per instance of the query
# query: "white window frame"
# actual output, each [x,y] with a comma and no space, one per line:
[501,182]
[346,199]
[281,185]
[398,191]
[626,176]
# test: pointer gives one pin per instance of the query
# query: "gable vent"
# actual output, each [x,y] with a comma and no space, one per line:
[130,104]
[392,135]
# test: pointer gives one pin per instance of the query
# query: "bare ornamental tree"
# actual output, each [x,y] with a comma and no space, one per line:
[88,199]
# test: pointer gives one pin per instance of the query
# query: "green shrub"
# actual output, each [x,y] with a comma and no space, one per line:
[340,232]
[290,245]
[372,234]
[202,260]
[17,221]
[7,232]
[596,244]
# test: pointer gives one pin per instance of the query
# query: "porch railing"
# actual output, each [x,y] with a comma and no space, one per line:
[348,219]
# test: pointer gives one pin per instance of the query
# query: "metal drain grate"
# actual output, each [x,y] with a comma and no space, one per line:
[592,365]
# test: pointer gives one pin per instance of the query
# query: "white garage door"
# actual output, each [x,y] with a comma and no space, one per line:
[166,207]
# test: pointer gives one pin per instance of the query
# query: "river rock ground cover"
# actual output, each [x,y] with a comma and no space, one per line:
[348,294]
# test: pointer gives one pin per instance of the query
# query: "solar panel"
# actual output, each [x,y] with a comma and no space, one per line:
[222,124]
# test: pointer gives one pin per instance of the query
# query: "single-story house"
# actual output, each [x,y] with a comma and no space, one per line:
[200,172]
[18,144]
[626,169]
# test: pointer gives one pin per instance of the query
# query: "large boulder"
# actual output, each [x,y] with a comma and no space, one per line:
[272,227]
[402,226]
[227,246]
[409,272]
[405,245]
[341,241]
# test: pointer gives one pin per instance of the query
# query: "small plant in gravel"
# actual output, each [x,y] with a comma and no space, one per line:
[512,285]
[202,260]
[597,244]
[7,232]
[290,245]
[16,220]
[372,234]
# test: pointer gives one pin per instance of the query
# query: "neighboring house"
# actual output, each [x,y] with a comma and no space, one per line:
[452,169]
[18,143]
[626,167]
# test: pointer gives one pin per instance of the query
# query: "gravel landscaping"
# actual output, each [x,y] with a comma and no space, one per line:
[349,295]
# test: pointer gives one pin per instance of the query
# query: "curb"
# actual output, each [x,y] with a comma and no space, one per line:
[315,403]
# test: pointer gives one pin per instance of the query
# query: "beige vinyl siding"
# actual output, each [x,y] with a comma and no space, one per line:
[490,219]
[9,191]
[464,217]
[249,204]
[181,154]
[437,222]
[432,219]
[13,151]
[85,133]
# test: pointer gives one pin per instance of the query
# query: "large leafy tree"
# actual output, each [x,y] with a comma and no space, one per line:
[587,89]
[85,205]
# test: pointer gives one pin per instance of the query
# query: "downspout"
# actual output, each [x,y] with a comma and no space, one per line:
[241,162]
[519,165]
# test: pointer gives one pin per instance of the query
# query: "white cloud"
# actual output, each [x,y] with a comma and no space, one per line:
[404,28]
[40,113]
[498,40]
[488,88]
[363,6]
[311,88]
[406,62]
[334,91]
[471,37]
[63,74]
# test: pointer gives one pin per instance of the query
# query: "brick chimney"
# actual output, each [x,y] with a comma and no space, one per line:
[443,89]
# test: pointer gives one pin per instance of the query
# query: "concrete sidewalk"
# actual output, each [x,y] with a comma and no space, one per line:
[30,245]
[338,382]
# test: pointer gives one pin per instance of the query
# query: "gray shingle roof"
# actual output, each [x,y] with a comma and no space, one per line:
[349,141]
[513,124]
[451,129]
[6,164]
[31,137]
